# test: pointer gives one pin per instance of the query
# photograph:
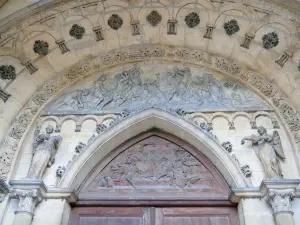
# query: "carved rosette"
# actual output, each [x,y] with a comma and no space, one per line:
[115,22]
[28,200]
[41,47]
[192,20]
[231,27]
[7,72]
[270,40]
[281,200]
[77,31]
[154,18]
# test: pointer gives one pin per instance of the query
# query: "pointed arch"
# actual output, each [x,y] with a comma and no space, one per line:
[139,123]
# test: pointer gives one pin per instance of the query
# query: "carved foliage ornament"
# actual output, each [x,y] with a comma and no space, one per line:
[154,18]
[115,21]
[7,72]
[270,40]
[41,47]
[77,31]
[280,200]
[231,27]
[192,19]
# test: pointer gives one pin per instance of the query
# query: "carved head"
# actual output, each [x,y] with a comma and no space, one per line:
[60,171]
[261,130]
[49,129]
[86,92]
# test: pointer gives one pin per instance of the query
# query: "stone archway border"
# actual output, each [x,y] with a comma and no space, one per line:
[139,53]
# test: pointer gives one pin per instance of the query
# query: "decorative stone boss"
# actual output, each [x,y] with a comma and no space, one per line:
[45,148]
[268,148]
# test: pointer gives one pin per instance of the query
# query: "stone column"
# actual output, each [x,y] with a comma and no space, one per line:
[30,193]
[281,202]
[28,199]
[280,193]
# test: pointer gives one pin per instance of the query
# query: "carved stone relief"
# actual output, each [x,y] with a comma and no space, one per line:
[231,27]
[41,47]
[154,18]
[197,57]
[7,72]
[77,31]
[192,19]
[45,148]
[115,21]
[270,40]
[269,150]
[136,89]
[227,146]
[151,163]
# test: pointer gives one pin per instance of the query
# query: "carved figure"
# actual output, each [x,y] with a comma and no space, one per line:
[133,90]
[45,148]
[268,148]
[146,164]
[75,99]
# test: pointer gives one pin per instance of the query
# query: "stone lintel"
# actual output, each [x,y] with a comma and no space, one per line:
[260,192]
[45,192]
[278,184]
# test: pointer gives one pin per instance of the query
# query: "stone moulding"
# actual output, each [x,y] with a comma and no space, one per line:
[140,53]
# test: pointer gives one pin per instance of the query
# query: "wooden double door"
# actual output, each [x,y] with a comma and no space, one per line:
[154,216]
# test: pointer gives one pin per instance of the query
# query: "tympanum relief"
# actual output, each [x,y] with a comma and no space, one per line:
[154,165]
[269,150]
[165,87]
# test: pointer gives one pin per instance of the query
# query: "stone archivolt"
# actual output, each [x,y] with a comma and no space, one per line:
[144,53]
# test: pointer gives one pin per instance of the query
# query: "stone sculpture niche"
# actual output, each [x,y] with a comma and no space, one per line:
[269,150]
[44,149]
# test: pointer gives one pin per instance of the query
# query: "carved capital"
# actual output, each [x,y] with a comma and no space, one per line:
[28,199]
[281,200]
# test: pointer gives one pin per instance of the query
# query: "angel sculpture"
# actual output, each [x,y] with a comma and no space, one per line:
[268,149]
[44,148]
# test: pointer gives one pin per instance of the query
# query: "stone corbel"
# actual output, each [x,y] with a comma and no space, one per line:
[247,40]
[4,190]
[284,58]
[62,46]
[135,28]
[29,66]
[98,32]
[172,27]
[209,30]
[4,95]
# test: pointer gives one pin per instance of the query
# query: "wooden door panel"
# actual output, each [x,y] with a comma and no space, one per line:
[196,216]
[110,216]
[154,216]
